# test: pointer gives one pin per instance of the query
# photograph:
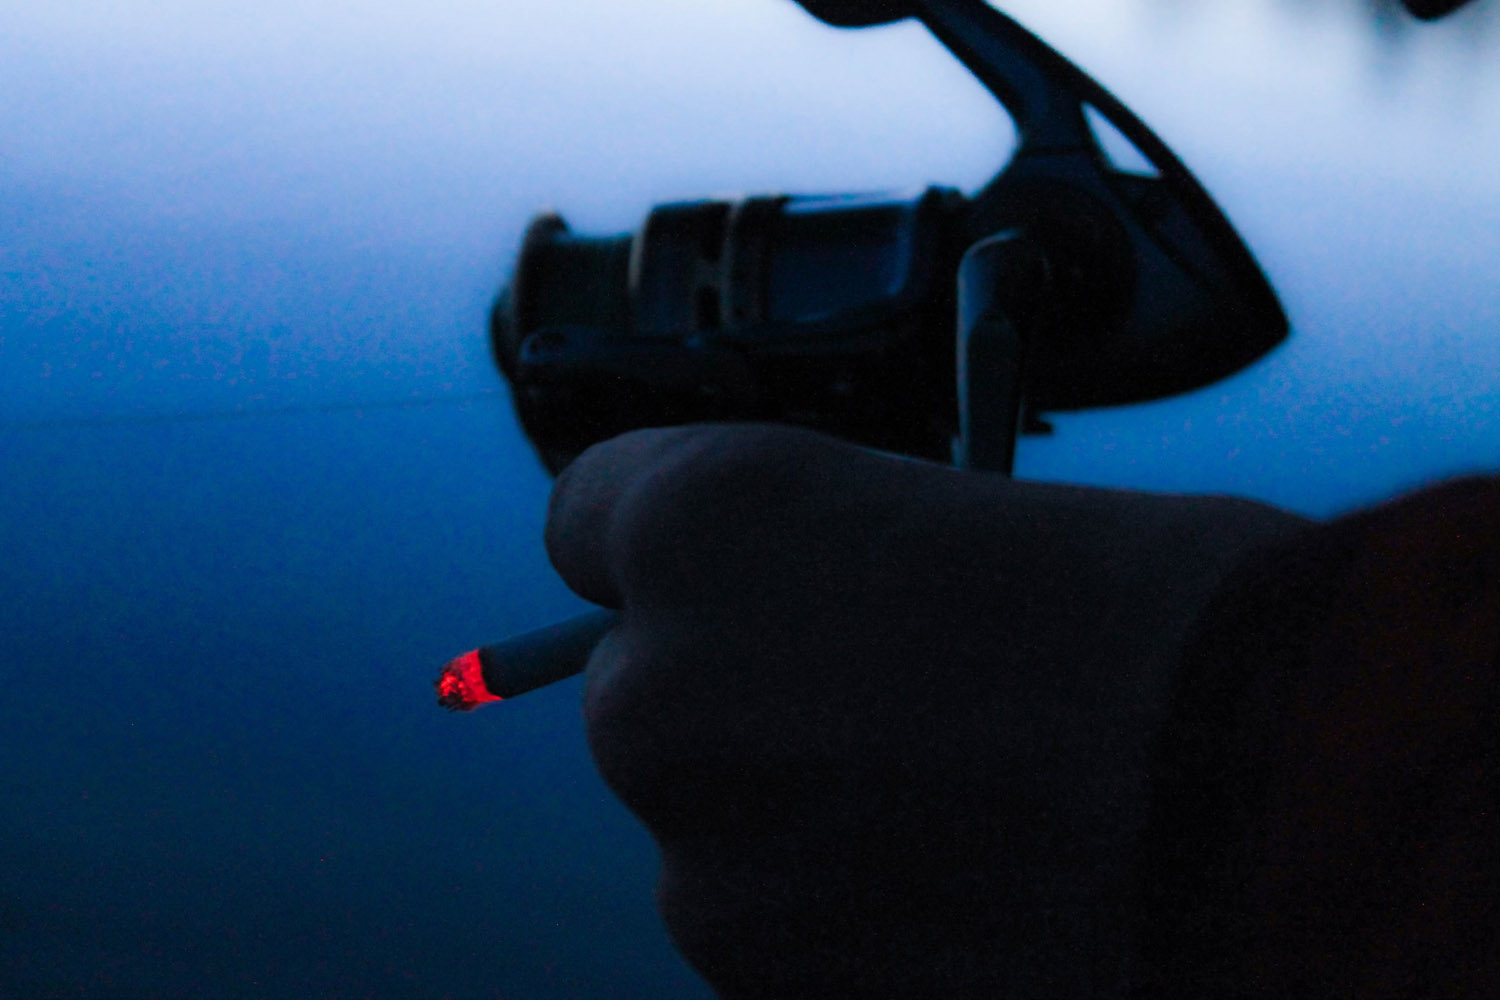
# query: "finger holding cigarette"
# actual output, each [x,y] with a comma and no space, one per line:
[523,663]
[646,474]
[585,502]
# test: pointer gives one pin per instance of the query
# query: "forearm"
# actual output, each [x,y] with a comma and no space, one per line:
[1324,815]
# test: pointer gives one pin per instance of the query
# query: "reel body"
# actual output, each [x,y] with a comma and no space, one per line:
[839,312]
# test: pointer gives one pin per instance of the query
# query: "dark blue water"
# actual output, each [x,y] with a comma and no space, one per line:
[222,759]
[223,766]
[222,770]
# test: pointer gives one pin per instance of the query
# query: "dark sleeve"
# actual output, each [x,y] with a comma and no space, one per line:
[1326,812]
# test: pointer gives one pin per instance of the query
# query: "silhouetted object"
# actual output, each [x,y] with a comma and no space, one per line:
[1429,10]
[859,13]
[1087,285]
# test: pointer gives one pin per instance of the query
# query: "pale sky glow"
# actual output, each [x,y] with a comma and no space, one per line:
[440,131]
[528,87]
[123,83]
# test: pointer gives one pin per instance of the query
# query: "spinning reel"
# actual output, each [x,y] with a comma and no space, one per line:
[930,323]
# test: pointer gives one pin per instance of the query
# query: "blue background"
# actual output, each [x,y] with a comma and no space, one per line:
[221,766]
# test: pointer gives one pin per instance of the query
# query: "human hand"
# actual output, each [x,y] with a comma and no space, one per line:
[887,721]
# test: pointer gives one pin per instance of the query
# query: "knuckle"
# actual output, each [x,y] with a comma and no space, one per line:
[586,502]
[711,497]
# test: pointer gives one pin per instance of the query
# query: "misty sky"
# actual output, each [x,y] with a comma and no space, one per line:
[218,150]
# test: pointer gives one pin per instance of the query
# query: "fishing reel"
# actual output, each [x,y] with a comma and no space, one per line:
[917,322]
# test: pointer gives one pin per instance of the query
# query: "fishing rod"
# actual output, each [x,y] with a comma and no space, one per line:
[929,323]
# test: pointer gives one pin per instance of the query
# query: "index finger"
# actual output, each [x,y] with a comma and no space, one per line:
[590,492]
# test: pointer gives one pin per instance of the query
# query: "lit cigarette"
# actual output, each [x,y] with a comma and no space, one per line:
[522,663]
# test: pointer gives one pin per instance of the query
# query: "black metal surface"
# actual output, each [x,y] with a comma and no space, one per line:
[1428,10]
[858,13]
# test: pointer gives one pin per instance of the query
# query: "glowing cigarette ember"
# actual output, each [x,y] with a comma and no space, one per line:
[522,663]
